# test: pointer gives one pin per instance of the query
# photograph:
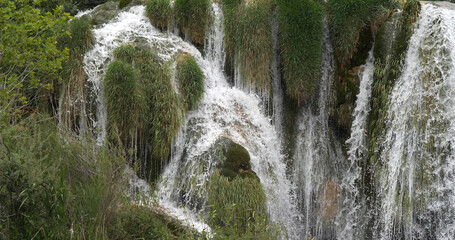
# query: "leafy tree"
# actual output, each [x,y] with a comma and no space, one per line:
[29,56]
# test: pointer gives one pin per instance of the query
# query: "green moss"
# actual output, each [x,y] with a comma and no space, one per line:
[238,209]
[193,18]
[160,13]
[191,79]
[123,3]
[390,47]
[301,36]
[125,100]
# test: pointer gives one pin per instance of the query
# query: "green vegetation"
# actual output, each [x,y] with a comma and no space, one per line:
[126,53]
[348,18]
[74,78]
[191,79]
[193,18]
[248,40]
[301,37]
[390,48]
[238,209]
[160,13]
[125,100]
[53,184]
[123,3]
[29,56]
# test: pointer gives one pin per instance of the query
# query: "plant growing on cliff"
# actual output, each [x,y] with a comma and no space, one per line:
[249,40]
[238,209]
[193,18]
[160,13]
[191,79]
[125,100]
[301,40]
[348,18]
[73,74]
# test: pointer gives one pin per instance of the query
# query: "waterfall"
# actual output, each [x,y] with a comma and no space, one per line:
[231,112]
[350,218]
[417,181]
[277,117]
[317,157]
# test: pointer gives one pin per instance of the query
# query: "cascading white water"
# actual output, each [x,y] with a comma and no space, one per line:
[417,183]
[350,217]
[317,156]
[230,112]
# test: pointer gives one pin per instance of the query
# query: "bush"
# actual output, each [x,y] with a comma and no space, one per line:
[52,184]
[191,79]
[193,18]
[123,3]
[238,209]
[301,40]
[160,13]
[125,100]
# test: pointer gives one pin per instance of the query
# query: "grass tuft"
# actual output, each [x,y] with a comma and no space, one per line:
[191,79]
[301,40]
[193,18]
[160,13]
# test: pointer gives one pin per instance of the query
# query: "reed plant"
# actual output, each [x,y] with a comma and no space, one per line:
[193,18]
[160,13]
[301,42]
[191,80]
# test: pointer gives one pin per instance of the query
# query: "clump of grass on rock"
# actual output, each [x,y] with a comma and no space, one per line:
[193,18]
[301,39]
[160,13]
[191,79]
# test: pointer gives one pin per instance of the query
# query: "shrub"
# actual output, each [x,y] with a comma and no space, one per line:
[160,13]
[191,79]
[123,3]
[301,40]
[193,18]
[125,101]
[53,184]
[238,209]
[249,40]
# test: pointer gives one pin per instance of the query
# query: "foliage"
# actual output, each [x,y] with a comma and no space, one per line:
[193,18]
[301,40]
[123,3]
[348,18]
[238,209]
[125,100]
[249,40]
[29,55]
[52,185]
[126,53]
[73,74]
[160,13]
[191,79]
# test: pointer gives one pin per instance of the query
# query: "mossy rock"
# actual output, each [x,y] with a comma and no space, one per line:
[103,13]
[123,3]
[235,160]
